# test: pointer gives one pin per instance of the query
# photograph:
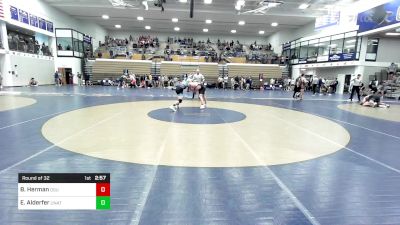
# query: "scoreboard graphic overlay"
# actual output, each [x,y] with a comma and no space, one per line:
[64,191]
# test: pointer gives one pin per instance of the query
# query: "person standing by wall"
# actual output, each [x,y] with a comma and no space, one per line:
[334,85]
[1,81]
[302,85]
[225,84]
[356,84]
[56,79]
[314,82]
[79,79]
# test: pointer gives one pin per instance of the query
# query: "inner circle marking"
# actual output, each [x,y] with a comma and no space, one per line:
[194,115]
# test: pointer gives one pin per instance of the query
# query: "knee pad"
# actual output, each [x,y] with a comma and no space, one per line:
[180,100]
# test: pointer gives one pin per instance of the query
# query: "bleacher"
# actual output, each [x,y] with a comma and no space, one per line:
[112,68]
[209,70]
[268,70]
[254,70]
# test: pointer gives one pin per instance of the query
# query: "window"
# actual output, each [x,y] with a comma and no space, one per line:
[323,49]
[69,43]
[292,50]
[336,46]
[297,50]
[304,50]
[350,45]
[372,49]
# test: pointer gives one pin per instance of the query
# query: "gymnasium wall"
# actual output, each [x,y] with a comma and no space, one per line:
[41,69]
[386,50]
[69,62]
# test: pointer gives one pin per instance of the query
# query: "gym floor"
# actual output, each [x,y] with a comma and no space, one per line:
[251,157]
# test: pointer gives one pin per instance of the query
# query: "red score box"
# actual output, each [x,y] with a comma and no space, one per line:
[103,189]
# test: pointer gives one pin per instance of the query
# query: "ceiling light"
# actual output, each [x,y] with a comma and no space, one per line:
[274,24]
[140,18]
[207,1]
[117,26]
[233,31]
[270,3]
[177,28]
[183,1]
[241,2]
[147,27]
[242,23]
[261,32]
[393,34]
[208,21]
[350,46]
[351,41]
[106,17]
[175,20]
[205,30]
[304,6]
[146,6]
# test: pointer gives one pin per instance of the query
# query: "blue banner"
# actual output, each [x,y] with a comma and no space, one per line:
[49,26]
[23,16]
[87,39]
[342,57]
[33,20]
[14,13]
[380,16]
[42,23]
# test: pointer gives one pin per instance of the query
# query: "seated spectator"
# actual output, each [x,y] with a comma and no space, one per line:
[33,82]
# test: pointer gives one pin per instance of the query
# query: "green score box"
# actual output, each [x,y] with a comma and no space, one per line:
[103,203]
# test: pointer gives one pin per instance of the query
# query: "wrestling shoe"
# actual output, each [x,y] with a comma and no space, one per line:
[173,108]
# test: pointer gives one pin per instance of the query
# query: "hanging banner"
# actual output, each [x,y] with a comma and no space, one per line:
[342,57]
[380,16]
[33,20]
[23,16]
[42,23]
[49,26]
[14,13]
[332,18]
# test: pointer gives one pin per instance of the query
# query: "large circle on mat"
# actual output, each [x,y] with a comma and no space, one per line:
[124,132]
[13,102]
[392,113]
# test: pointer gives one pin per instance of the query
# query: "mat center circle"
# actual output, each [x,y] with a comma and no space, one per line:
[194,115]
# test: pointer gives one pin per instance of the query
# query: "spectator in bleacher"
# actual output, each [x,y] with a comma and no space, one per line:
[132,80]
[232,83]
[220,82]
[249,82]
[242,82]
[162,80]
[225,84]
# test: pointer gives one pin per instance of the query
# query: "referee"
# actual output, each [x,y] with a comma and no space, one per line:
[357,84]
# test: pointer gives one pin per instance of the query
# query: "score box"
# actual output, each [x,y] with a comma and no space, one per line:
[64,191]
